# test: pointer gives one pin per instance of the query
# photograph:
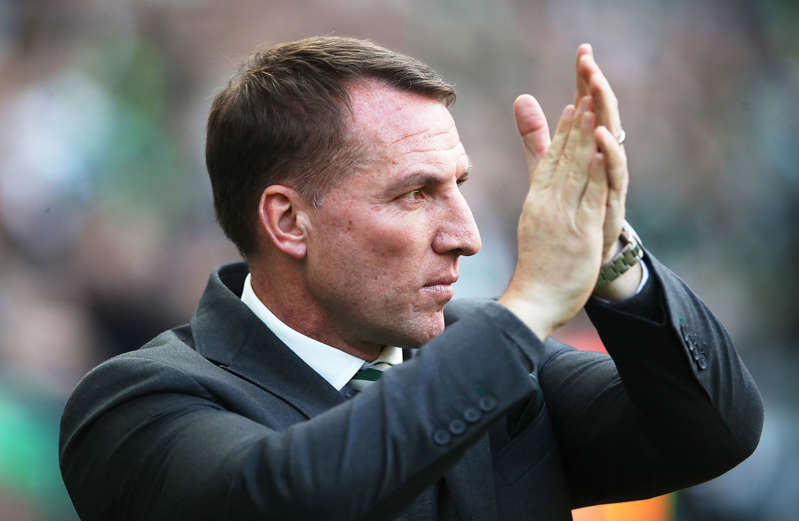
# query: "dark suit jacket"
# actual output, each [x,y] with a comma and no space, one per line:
[219,420]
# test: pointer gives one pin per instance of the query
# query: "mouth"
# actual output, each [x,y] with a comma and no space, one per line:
[446,280]
[441,288]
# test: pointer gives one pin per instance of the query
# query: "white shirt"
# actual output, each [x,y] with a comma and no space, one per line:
[332,364]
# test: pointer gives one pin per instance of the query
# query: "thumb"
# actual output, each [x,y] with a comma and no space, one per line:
[533,128]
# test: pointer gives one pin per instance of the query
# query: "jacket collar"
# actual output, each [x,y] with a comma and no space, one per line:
[227,333]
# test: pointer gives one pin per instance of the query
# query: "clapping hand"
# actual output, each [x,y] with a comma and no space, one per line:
[574,209]
[591,81]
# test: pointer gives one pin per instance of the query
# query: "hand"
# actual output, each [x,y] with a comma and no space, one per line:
[560,232]
[591,81]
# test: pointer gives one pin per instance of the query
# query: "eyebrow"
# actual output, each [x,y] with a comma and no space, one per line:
[422,178]
[413,180]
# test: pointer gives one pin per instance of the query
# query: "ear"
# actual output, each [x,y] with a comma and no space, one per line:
[282,215]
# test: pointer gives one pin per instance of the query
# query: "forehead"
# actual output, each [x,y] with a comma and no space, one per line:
[395,124]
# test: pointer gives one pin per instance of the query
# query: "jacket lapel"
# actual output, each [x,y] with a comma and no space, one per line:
[230,335]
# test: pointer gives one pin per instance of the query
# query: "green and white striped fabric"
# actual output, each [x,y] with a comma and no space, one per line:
[368,375]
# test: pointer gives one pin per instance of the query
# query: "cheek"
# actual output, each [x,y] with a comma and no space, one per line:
[371,250]
[378,261]
[389,239]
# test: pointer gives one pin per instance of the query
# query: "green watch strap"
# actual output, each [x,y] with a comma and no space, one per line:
[626,258]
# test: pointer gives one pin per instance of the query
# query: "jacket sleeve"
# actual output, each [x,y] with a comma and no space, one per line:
[143,437]
[674,406]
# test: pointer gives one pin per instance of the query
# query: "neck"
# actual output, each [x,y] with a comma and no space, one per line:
[284,292]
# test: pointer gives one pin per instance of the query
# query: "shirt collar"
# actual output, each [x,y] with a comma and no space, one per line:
[332,364]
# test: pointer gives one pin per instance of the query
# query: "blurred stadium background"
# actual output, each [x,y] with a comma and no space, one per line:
[107,232]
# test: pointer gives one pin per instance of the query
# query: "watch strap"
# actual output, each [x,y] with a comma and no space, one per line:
[630,254]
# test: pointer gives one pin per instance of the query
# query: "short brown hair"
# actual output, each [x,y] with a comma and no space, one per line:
[281,119]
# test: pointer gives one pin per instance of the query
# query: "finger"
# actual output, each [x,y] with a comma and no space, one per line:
[618,180]
[605,101]
[582,84]
[616,160]
[533,128]
[580,148]
[567,119]
[570,120]
[594,197]
[545,170]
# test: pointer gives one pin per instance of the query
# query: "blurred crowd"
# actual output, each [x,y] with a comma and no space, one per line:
[107,231]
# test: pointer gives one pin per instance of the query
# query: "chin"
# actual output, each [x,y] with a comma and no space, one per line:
[425,330]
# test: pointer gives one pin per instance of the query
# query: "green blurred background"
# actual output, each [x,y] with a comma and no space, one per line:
[107,231]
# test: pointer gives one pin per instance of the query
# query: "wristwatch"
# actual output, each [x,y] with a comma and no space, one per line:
[631,252]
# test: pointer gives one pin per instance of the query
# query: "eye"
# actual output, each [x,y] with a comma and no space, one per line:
[414,195]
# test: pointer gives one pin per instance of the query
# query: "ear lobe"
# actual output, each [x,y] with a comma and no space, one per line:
[282,217]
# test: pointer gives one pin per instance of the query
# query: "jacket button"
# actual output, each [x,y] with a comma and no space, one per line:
[471,415]
[701,361]
[684,328]
[457,427]
[441,437]
[487,403]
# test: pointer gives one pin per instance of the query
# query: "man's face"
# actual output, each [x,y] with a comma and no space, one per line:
[383,247]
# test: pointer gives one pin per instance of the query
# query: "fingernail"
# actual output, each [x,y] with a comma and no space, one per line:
[568,113]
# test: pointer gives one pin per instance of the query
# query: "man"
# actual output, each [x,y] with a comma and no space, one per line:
[336,167]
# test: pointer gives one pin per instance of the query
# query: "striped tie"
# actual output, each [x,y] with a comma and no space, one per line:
[366,376]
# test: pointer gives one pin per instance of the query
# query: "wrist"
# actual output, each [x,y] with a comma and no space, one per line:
[614,250]
[624,286]
[530,314]
[628,252]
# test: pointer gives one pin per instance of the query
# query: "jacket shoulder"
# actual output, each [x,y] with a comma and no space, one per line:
[166,364]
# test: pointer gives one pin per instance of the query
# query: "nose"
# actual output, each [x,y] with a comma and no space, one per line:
[457,232]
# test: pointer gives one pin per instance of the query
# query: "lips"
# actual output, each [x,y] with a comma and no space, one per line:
[445,280]
[440,288]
